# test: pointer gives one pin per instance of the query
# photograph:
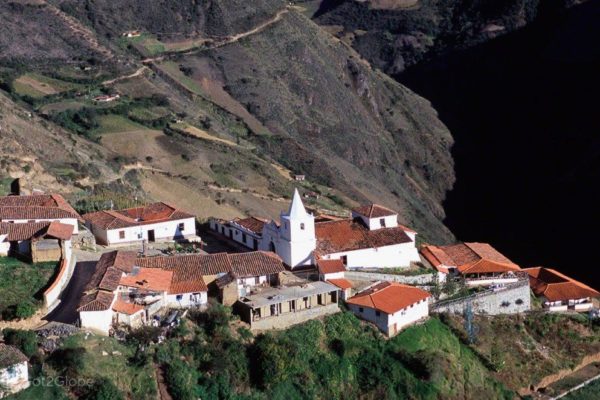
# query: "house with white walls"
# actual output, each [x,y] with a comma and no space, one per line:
[36,241]
[330,269]
[38,208]
[391,306]
[559,292]
[245,231]
[372,238]
[153,223]
[14,374]
[478,263]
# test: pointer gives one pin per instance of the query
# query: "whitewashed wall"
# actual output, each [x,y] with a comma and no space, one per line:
[162,231]
[398,255]
[385,321]
[187,301]
[14,378]
[99,321]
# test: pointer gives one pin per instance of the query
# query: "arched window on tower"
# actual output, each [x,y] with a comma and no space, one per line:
[302,225]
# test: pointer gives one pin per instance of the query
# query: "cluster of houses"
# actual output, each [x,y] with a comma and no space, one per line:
[300,267]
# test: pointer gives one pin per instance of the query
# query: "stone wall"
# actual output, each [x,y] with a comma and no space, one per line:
[424,279]
[504,301]
[283,321]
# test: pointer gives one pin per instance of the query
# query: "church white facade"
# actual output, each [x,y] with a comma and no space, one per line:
[294,239]
[372,238]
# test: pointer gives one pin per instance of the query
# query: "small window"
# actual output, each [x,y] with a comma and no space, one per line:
[181,227]
[360,309]
[378,313]
[302,225]
[179,297]
[382,222]
[257,280]
[244,237]
[345,260]
[121,234]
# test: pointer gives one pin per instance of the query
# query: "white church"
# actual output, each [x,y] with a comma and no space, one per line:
[372,238]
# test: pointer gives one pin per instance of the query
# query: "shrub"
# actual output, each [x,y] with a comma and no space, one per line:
[180,380]
[103,389]
[25,310]
[26,341]
[68,361]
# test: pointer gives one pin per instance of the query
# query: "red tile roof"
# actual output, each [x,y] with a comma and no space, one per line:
[347,235]
[150,214]
[105,279]
[255,263]
[330,266]
[96,301]
[125,307]
[341,283]
[36,207]
[374,211]
[485,266]
[461,255]
[389,297]
[555,286]
[148,278]
[33,230]
[253,224]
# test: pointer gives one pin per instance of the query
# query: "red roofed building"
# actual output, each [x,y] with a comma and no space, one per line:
[344,285]
[154,222]
[38,208]
[560,292]
[331,269]
[391,306]
[479,263]
[372,238]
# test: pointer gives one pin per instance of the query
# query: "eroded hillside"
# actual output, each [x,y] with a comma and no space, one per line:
[220,101]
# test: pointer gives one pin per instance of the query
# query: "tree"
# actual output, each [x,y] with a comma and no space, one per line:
[25,310]
[26,341]
[103,389]
[449,286]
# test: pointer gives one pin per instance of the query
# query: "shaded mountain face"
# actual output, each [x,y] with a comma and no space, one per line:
[259,74]
[524,115]
[394,34]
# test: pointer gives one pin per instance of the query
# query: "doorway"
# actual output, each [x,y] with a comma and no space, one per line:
[151,236]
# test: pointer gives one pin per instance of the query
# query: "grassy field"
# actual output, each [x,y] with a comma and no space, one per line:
[138,382]
[38,86]
[113,123]
[172,69]
[61,106]
[589,392]
[20,282]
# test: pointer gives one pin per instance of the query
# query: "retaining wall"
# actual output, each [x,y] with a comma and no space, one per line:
[424,279]
[286,320]
[60,283]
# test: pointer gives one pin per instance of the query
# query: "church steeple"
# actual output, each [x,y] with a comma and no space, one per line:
[296,210]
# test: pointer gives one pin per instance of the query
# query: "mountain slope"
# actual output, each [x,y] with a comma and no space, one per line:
[261,75]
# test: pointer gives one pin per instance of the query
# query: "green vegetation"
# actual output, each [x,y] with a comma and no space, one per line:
[20,284]
[589,392]
[5,186]
[26,341]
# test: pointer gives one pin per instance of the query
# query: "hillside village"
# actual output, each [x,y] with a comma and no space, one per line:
[148,266]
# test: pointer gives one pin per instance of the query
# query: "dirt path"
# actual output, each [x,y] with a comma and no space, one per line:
[79,30]
[163,393]
[139,72]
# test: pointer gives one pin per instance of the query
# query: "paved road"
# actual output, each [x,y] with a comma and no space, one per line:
[66,312]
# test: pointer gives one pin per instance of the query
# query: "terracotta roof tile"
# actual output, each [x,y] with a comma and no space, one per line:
[125,307]
[149,278]
[253,224]
[38,200]
[347,235]
[389,297]
[10,355]
[341,283]
[31,230]
[32,213]
[330,266]
[150,214]
[96,301]
[555,286]
[256,263]
[485,266]
[374,211]
[462,254]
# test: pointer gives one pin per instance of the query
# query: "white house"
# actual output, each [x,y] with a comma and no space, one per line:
[559,292]
[246,231]
[330,269]
[391,306]
[154,222]
[38,208]
[478,263]
[14,375]
[39,241]
[293,239]
[372,238]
